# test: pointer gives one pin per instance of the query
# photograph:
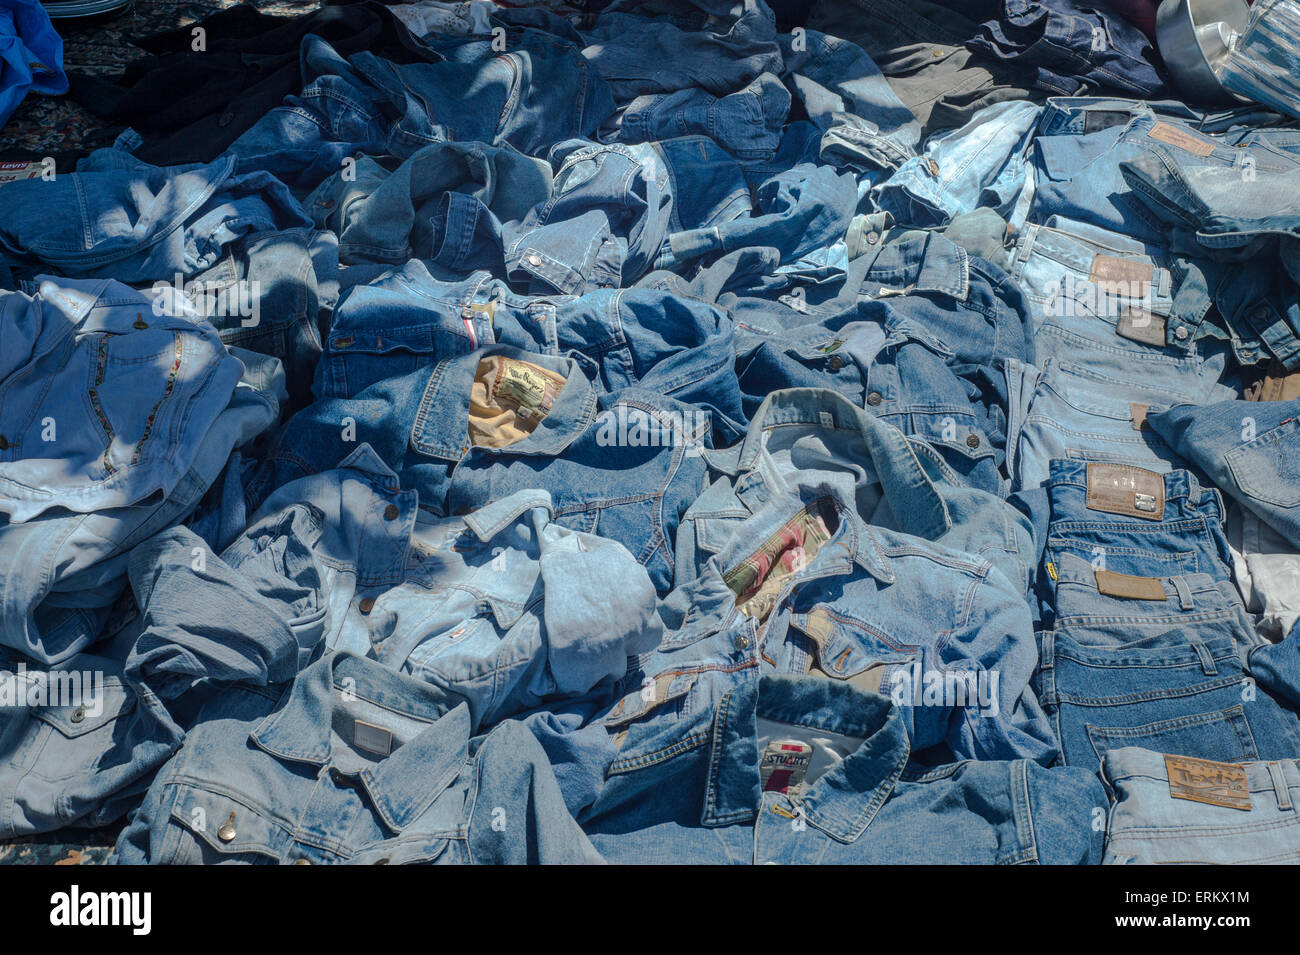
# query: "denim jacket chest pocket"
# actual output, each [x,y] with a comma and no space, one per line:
[844,647]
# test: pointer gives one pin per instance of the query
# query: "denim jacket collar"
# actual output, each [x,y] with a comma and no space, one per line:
[406,782]
[844,800]
[913,497]
[853,542]
[490,519]
[441,428]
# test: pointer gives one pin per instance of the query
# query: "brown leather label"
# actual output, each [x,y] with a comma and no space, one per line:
[1139,415]
[1182,139]
[1124,489]
[1129,588]
[1131,276]
[1215,784]
[1276,384]
[1139,325]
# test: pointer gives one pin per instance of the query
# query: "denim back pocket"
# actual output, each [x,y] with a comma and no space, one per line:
[1268,468]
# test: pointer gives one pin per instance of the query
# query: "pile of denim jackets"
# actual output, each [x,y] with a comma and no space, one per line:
[687,431]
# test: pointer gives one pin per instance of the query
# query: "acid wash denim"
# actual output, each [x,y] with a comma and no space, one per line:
[120,218]
[84,752]
[1168,810]
[420,424]
[635,338]
[804,585]
[351,763]
[900,483]
[707,792]
[502,610]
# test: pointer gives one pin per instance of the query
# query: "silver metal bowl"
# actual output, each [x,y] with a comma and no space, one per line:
[1194,37]
[69,9]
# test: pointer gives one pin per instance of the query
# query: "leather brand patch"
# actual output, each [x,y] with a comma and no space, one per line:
[1132,275]
[1129,588]
[372,738]
[1139,415]
[1139,325]
[1124,489]
[1182,139]
[1215,784]
[1095,120]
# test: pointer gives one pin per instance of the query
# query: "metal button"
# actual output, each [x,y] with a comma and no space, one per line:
[343,342]
[383,861]
[873,238]
[972,440]
[227,830]
[936,52]
[742,642]
[1181,333]
[534,259]
[139,322]
[874,398]
[226,119]
[836,363]
[367,604]
[390,512]
[302,862]
[78,714]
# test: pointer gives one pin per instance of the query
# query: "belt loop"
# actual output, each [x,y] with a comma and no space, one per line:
[1185,599]
[1280,786]
[1027,240]
[1206,658]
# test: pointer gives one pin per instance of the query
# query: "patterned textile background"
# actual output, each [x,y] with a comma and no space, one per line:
[102,46]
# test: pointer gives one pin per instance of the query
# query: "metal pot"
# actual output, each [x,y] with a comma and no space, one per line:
[1194,37]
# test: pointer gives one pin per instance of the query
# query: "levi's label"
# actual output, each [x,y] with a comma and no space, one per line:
[531,389]
[16,171]
[1125,489]
[1201,780]
[784,764]
[1181,138]
[1138,413]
